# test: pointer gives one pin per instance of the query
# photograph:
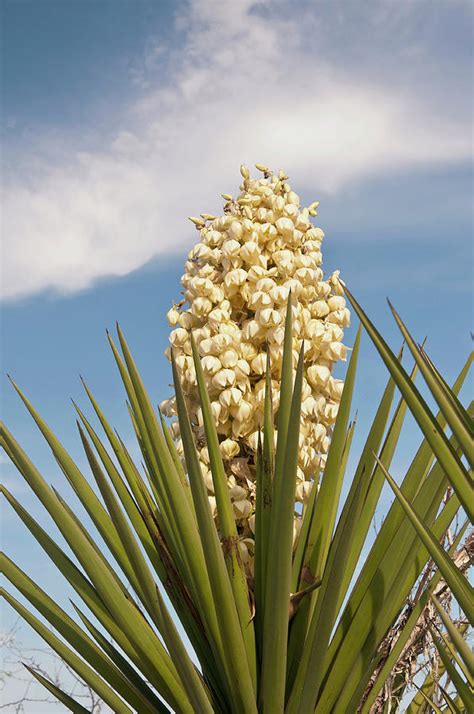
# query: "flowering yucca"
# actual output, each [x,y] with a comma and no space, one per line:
[277,625]
[237,283]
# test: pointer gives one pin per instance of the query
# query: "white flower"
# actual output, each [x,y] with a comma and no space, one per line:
[229,358]
[242,508]
[260,299]
[242,411]
[267,317]
[330,412]
[336,351]
[224,378]
[167,407]
[213,505]
[251,330]
[235,278]
[230,397]
[340,317]
[229,449]
[259,363]
[250,252]
[179,337]
[201,307]
[237,493]
[320,308]
[285,226]
[303,491]
[231,248]
[318,375]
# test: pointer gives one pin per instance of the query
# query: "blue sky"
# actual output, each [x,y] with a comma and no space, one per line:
[121,118]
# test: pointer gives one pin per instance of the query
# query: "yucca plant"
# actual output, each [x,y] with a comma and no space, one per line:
[234,525]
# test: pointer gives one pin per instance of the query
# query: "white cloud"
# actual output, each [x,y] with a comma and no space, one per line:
[246,84]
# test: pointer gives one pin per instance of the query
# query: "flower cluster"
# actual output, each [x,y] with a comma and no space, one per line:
[237,282]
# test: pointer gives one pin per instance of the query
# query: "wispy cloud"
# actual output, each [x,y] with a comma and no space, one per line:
[300,86]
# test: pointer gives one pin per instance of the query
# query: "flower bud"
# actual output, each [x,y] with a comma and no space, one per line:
[172,316]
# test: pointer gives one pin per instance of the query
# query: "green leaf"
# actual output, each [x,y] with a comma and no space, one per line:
[77,580]
[123,664]
[373,478]
[265,464]
[457,422]
[323,519]
[234,654]
[460,587]
[82,489]
[311,669]
[449,701]
[123,457]
[457,639]
[449,393]
[164,479]
[126,498]
[286,389]
[278,576]
[227,525]
[403,637]
[73,634]
[436,438]
[152,597]
[384,562]
[429,701]
[186,535]
[76,663]
[61,696]
[176,459]
[462,687]
[361,630]
[105,581]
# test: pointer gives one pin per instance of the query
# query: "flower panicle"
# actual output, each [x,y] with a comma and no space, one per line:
[237,281]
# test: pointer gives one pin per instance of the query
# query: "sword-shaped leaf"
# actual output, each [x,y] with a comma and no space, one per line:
[438,441]
[462,687]
[458,584]
[61,696]
[234,654]
[76,637]
[152,596]
[227,525]
[82,669]
[402,639]
[459,643]
[278,575]
[458,421]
